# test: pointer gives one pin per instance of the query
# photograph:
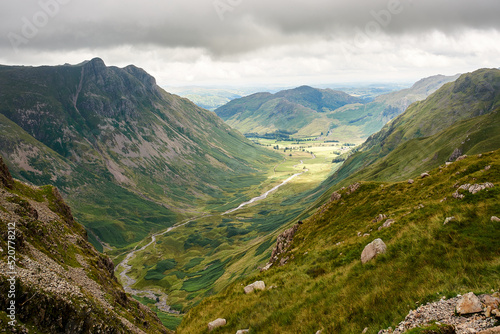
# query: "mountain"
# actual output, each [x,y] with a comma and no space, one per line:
[307,111]
[295,111]
[60,284]
[437,234]
[129,157]
[460,118]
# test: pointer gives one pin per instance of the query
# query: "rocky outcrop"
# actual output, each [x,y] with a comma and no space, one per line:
[373,249]
[472,188]
[445,313]
[5,177]
[282,244]
[216,324]
[258,285]
[456,153]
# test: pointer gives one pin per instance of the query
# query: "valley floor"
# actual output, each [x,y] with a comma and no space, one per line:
[202,255]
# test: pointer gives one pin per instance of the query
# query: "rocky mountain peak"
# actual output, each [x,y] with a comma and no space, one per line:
[140,74]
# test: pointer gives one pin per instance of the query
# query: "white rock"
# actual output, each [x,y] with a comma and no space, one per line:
[373,249]
[243,331]
[495,219]
[258,285]
[216,324]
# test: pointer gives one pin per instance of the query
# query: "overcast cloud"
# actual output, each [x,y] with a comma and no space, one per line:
[236,42]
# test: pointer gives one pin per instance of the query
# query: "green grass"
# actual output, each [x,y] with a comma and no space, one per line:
[325,286]
[170,321]
[213,251]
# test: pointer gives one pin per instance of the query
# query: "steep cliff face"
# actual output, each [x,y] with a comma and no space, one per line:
[107,136]
[52,280]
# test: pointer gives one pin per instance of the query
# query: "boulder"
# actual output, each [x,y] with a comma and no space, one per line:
[216,324]
[259,285]
[410,181]
[488,300]
[373,249]
[243,331]
[495,219]
[468,304]
[424,175]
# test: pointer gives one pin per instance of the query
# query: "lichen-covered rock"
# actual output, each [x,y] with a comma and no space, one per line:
[373,249]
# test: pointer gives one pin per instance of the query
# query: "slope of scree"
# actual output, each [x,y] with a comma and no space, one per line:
[62,284]
[441,235]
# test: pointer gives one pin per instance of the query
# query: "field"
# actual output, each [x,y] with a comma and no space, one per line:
[198,259]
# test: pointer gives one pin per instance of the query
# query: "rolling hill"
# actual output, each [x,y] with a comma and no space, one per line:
[128,156]
[307,111]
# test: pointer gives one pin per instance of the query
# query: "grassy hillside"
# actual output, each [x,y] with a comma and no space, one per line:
[307,111]
[130,157]
[460,118]
[325,286]
[62,284]
[301,111]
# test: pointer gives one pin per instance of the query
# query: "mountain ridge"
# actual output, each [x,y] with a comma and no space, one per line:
[91,127]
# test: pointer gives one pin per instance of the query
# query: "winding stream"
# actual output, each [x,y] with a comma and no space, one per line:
[161,304]
[264,195]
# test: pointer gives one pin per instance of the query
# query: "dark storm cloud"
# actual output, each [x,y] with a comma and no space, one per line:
[225,27]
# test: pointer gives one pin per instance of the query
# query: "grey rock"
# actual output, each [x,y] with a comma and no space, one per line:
[373,249]
[258,285]
[216,324]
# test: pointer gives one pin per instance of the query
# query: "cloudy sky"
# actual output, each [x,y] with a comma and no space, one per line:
[264,42]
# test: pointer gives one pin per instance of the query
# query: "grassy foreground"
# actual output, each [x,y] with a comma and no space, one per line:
[325,286]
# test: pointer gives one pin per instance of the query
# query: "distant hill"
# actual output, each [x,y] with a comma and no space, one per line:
[296,111]
[129,157]
[307,111]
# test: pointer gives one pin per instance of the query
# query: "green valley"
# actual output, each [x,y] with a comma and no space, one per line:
[426,185]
